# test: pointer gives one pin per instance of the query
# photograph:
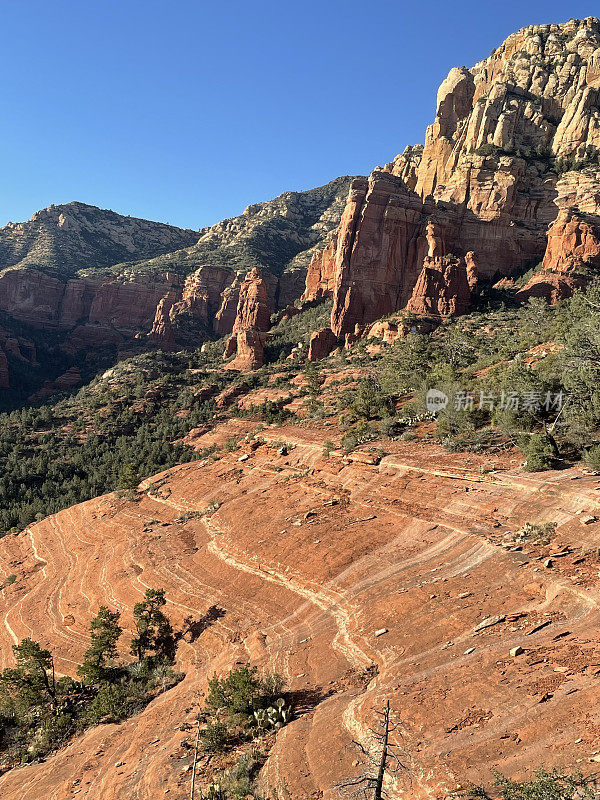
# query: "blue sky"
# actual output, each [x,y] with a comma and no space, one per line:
[186,112]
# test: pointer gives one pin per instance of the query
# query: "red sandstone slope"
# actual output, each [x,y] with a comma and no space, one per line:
[309,558]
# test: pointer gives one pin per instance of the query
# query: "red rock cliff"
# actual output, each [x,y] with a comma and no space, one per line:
[490,180]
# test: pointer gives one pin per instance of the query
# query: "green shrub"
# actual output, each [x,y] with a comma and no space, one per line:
[215,737]
[113,703]
[540,534]
[242,691]
[591,459]
[546,785]
[238,782]
[539,453]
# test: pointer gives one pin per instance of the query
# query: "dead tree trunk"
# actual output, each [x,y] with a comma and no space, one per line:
[384,753]
[193,787]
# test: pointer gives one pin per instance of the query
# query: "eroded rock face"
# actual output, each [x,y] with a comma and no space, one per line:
[320,277]
[485,183]
[311,610]
[322,343]
[64,383]
[573,243]
[105,281]
[162,333]
[253,319]
[4,377]
[442,289]
[253,312]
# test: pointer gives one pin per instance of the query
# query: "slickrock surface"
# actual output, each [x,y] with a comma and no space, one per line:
[491,177]
[309,558]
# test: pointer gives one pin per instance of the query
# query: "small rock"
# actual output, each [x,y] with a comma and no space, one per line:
[516,651]
[245,457]
[469,650]
[380,632]
[487,622]
[548,563]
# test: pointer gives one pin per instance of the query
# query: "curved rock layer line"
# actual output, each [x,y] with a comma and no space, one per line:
[358,583]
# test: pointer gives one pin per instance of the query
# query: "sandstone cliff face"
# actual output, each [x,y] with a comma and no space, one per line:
[320,275]
[101,280]
[573,243]
[486,182]
[253,319]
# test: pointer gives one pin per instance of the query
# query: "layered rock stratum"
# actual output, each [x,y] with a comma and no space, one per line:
[513,148]
[360,580]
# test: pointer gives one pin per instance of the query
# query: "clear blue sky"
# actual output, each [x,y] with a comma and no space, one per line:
[186,112]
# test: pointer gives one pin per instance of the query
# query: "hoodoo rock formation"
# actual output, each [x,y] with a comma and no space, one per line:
[515,140]
[253,319]
[442,289]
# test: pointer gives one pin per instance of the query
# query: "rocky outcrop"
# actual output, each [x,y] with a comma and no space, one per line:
[320,276]
[572,255]
[513,142]
[253,319]
[64,383]
[253,311]
[442,289]
[551,286]
[322,343]
[573,243]
[248,348]
[278,237]
[104,281]
[162,333]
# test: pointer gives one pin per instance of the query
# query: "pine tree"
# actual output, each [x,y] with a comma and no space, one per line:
[35,668]
[98,660]
[128,480]
[154,631]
